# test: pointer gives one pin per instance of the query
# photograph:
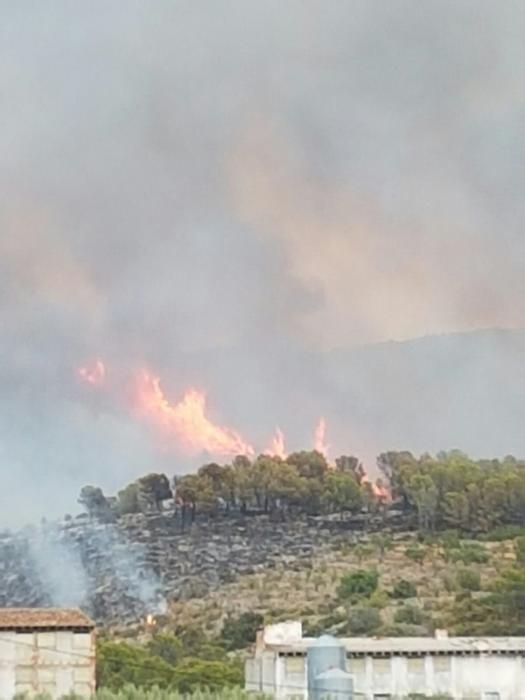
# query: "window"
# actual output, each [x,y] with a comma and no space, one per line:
[491,696]
[46,676]
[356,666]
[82,641]
[416,665]
[381,667]
[294,664]
[441,664]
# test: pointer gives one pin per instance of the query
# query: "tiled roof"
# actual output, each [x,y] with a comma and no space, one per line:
[39,618]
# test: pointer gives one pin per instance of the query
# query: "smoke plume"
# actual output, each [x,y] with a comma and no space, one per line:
[252,199]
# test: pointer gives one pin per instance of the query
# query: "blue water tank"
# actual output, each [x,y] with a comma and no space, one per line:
[325,654]
[333,684]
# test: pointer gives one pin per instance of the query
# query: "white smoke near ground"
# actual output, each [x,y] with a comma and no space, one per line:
[57,566]
[71,565]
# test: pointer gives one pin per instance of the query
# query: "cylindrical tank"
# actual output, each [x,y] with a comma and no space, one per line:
[324,654]
[333,684]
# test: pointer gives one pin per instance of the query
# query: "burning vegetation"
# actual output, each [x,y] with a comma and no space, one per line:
[187,422]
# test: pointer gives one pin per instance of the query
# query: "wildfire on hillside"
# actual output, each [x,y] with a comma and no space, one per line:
[188,423]
[187,420]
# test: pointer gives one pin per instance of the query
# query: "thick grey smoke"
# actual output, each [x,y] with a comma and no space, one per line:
[228,192]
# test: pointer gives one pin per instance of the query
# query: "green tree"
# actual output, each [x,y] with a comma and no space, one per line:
[359,584]
[342,493]
[128,500]
[423,492]
[239,632]
[403,589]
[468,579]
[152,490]
[166,646]
[310,465]
[95,503]
[192,674]
[120,664]
[410,614]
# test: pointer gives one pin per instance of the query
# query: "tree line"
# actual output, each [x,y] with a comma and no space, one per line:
[302,483]
[452,491]
[447,491]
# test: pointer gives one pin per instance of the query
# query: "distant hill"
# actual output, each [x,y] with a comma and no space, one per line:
[463,390]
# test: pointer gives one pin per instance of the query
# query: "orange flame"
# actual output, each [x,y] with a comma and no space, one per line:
[94,375]
[188,421]
[320,438]
[276,448]
[378,489]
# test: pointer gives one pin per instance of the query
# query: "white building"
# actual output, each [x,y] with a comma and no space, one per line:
[466,668]
[46,651]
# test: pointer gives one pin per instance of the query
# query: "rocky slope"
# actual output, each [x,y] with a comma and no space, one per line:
[122,571]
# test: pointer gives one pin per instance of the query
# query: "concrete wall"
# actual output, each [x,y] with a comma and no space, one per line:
[461,677]
[55,663]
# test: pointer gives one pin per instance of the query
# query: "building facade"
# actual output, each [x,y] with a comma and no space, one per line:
[45,650]
[466,668]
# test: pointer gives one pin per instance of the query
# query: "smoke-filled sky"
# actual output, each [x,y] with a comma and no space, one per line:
[226,193]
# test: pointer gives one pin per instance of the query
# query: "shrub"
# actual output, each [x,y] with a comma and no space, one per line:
[468,579]
[504,532]
[404,589]
[471,553]
[450,539]
[415,553]
[360,584]
[364,620]
[410,615]
[378,599]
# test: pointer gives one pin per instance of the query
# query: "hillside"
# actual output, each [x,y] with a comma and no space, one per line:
[156,548]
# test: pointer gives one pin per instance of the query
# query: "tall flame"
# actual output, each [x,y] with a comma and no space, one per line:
[320,443]
[378,488]
[276,448]
[94,375]
[187,420]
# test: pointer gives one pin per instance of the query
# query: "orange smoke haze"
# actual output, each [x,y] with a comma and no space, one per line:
[187,420]
[95,374]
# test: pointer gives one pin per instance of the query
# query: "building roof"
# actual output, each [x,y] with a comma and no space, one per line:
[385,646]
[43,618]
